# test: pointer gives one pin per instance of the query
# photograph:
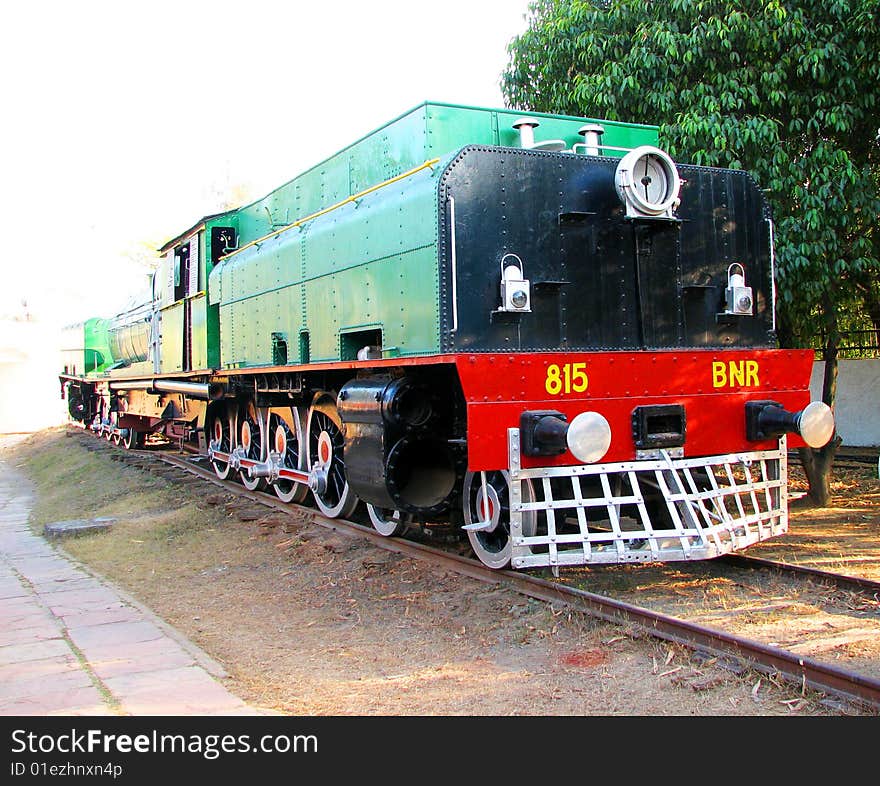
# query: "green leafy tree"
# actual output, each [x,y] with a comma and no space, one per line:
[787,89]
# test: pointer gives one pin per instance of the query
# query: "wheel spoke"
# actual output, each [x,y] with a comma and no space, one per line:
[287,490]
[221,427]
[251,437]
[326,448]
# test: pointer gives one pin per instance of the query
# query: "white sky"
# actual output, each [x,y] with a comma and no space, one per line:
[125,122]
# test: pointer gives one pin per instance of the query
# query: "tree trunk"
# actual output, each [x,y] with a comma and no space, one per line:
[818,462]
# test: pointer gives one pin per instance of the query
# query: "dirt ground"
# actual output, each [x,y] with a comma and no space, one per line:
[311,622]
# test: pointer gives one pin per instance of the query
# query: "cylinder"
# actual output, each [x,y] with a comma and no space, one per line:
[396,453]
[421,473]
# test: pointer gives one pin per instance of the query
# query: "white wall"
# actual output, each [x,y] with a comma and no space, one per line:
[857,409]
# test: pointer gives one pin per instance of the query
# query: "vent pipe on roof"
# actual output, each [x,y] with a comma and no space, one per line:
[526,127]
[592,134]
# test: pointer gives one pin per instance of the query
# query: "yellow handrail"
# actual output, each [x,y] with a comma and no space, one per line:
[352,198]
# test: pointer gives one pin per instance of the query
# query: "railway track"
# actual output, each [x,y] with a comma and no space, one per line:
[796,668]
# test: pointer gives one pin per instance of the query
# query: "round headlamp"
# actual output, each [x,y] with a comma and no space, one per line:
[816,424]
[588,437]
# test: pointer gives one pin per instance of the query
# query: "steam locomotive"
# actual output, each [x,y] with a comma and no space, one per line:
[536,329]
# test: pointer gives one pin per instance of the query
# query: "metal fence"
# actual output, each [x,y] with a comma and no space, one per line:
[854,344]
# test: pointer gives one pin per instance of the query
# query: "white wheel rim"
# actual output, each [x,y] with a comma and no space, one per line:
[221,468]
[486,552]
[386,522]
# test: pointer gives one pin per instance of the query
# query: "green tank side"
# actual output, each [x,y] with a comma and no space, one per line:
[363,275]
[371,274]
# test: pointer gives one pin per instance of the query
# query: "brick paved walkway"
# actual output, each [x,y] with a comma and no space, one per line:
[72,644]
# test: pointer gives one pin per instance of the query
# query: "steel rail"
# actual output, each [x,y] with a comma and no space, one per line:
[855,583]
[801,670]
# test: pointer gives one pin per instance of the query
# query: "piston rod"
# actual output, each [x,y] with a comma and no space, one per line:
[203,390]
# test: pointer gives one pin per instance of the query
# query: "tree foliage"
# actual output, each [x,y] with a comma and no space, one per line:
[787,89]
